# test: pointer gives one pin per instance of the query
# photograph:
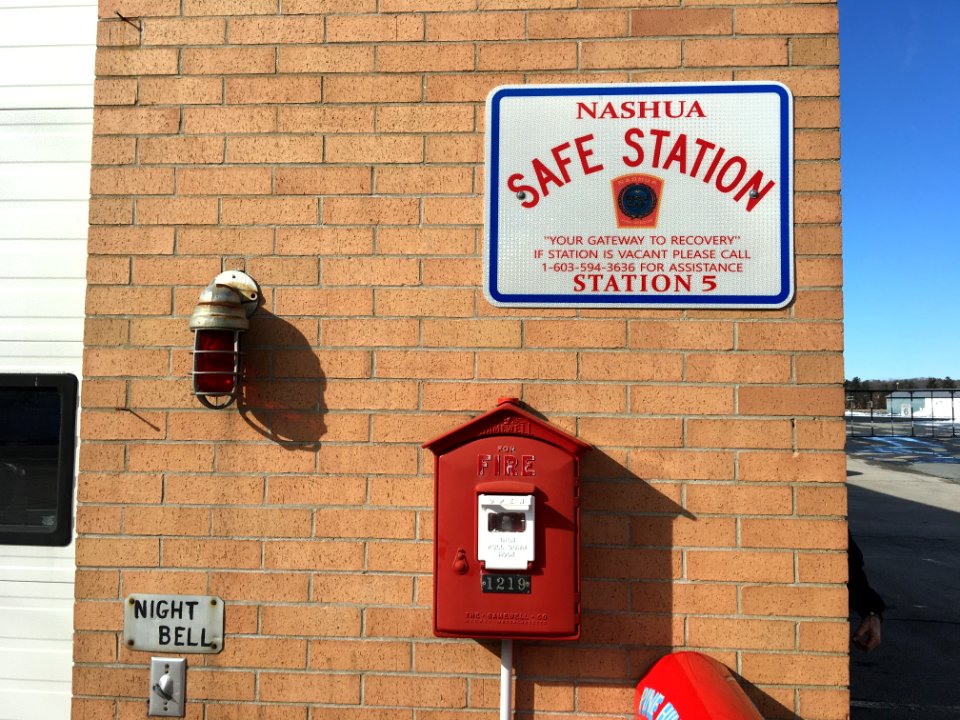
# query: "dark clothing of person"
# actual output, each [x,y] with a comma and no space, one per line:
[863,598]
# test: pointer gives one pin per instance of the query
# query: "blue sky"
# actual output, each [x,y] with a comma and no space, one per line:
[900,99]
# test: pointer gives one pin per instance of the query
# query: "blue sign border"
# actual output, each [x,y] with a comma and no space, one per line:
[780,300]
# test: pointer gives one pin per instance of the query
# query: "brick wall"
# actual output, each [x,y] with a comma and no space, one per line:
[333,150]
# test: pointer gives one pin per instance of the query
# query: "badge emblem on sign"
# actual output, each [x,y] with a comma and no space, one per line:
[636,198]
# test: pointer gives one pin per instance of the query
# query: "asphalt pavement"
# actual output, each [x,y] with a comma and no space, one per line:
[904,507]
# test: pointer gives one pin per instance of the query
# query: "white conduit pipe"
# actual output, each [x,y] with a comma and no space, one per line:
[506,679]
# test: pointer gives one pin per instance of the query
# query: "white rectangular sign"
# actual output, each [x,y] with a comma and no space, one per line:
[671,195]
[173,623]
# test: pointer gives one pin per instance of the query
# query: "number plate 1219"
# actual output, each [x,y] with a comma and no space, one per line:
[505,583]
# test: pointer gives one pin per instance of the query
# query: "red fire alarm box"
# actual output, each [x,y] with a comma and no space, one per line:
[506,554]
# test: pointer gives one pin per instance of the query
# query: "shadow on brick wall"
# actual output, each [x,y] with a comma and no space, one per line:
[635,598]
[629,567]
[283,386]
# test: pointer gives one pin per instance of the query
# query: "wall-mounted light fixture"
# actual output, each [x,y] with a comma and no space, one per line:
[219,319]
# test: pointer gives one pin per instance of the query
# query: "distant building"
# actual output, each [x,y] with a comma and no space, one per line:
[934,404]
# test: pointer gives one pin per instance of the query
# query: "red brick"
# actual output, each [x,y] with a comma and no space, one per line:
[430,692]
[739,499]
[631,53]
[554,397]
[313,555]
[113,150]
[114,92]
[825,704]
[369,332]
[455,148]
[787,20]
[821,434]
[577,24]
[229,7]
[543,365]
[108,552]
[324,241]
[787,400]
[279,89]
[207,553]
[798,601]
[818,82]
[739,433]
[180,150]
[575,333]
[466,87]
[193,490]
[129,121]
[375,28]
[181,91]
[223,181]
[681,335]
[322,180]
[465,396]
[424,5]
[136,61]
[683,532]
[428,241]
[818,176]
[740,633]
[365,655]
[682,464]
[423,57]
[825,636]
[291,210]
[117,425]
[311,620]
[738,51]
[424,364]
[178,211]
[796,669]
[632,563]
[229,119]
[270,30]
[373,88]
[629,432]
[208,683]
[792,533]
[325,59]
[671,22]
[790,336]
[125,362]
[372,459]
[425,302]
[475,26]
[738,368]
[275,149]
[170,457]
[815,51]
[380,149]
[176,31]
[739,566]
[370,211]
[817,113]
[631,366]
[793,467]
[681,400]
[527,56]
[106,211]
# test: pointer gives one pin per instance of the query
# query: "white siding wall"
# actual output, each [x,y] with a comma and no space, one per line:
[46,116]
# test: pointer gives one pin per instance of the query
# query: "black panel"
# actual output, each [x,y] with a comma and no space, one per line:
[38,420]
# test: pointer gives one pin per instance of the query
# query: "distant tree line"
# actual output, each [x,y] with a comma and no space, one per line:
[929,383]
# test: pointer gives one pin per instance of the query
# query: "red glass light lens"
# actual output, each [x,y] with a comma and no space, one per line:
[215,362]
